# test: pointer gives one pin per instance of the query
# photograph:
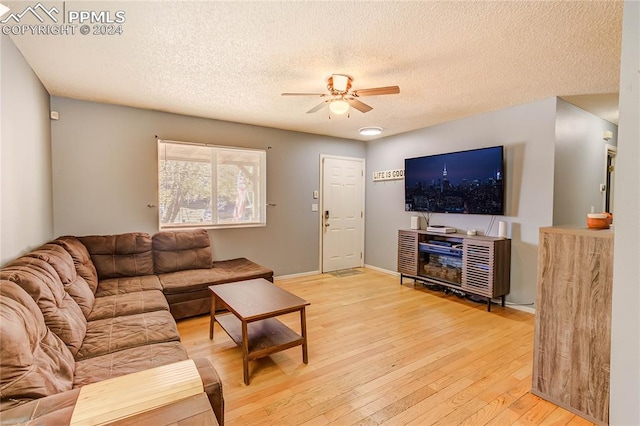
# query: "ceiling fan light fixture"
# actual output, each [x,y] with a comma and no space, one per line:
[340,82]
[339,106]
[370,131]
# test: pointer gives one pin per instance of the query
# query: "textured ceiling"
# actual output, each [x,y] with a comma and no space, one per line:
[232,60]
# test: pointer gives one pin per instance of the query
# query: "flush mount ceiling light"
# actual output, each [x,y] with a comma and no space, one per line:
[370,131]
[339,106]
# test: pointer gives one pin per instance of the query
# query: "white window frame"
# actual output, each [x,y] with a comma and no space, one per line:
[260,200]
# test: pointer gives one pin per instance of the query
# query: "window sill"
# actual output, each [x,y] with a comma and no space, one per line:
[192,226]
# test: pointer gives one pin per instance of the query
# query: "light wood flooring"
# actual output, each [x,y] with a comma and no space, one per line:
[384,353]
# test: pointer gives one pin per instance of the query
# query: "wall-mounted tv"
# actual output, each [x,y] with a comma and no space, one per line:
[468,182]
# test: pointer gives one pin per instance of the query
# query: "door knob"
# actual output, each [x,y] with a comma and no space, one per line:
[327,224]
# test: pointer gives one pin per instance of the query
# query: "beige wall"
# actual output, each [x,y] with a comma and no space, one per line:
[26,215]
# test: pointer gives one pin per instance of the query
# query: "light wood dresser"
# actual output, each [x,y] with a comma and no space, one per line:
[573,320]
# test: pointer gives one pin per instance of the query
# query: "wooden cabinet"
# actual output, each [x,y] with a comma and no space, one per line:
[476,265]
[486,269]
[408,252]
[573,320]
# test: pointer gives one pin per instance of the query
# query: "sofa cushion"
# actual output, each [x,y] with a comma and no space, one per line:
[118,305]
[127,361]
[185,305]
[123,255]
[61,313]
[114,334]
[181,250]
[81,259]
[59,259]
[223,271]
[34,362]
[128,285]
[77,287]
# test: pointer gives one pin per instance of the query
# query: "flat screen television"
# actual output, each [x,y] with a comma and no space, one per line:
[467,182]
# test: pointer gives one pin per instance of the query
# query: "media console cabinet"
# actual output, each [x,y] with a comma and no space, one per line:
[477,265]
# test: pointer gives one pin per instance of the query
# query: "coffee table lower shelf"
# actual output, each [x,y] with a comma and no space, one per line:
[266,336]
[251,323]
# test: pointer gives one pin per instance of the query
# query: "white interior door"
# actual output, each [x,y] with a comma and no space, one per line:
[342,213]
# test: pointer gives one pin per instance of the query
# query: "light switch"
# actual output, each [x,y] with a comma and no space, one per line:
[315,195]
[314,207]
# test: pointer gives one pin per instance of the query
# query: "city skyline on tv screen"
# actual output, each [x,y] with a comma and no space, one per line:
[468,182]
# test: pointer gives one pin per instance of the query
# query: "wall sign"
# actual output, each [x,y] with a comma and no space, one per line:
[388,175]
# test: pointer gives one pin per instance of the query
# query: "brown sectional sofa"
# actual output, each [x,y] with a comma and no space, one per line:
[84,309]
[184,265]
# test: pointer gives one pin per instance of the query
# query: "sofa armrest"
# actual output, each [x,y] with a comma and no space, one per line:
[212,387]
[50,410]
[58,409]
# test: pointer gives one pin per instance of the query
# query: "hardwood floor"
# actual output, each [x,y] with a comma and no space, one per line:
[384,353]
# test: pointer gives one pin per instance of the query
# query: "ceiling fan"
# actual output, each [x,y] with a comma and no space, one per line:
[341,97]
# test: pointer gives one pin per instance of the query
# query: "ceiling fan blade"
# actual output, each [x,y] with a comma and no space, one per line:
[388,90]
[317,107]
[360,106]
[304,94]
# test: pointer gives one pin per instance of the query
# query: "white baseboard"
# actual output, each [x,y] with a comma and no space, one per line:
[304,274]
[528,309]
[386,271]
[301,274]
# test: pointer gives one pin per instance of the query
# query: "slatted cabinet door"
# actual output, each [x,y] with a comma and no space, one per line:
[478,267]
[486,267]
[408,252]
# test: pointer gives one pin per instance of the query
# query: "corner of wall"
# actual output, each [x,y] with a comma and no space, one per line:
[26,200]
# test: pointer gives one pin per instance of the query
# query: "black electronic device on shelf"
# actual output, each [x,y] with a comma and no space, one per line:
[439,247]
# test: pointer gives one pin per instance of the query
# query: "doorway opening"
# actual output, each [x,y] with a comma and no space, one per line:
[610,177]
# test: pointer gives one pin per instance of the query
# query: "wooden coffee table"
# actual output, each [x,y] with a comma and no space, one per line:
[251,323]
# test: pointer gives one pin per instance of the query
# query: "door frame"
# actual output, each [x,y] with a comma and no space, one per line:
[321,205]
[609,151]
